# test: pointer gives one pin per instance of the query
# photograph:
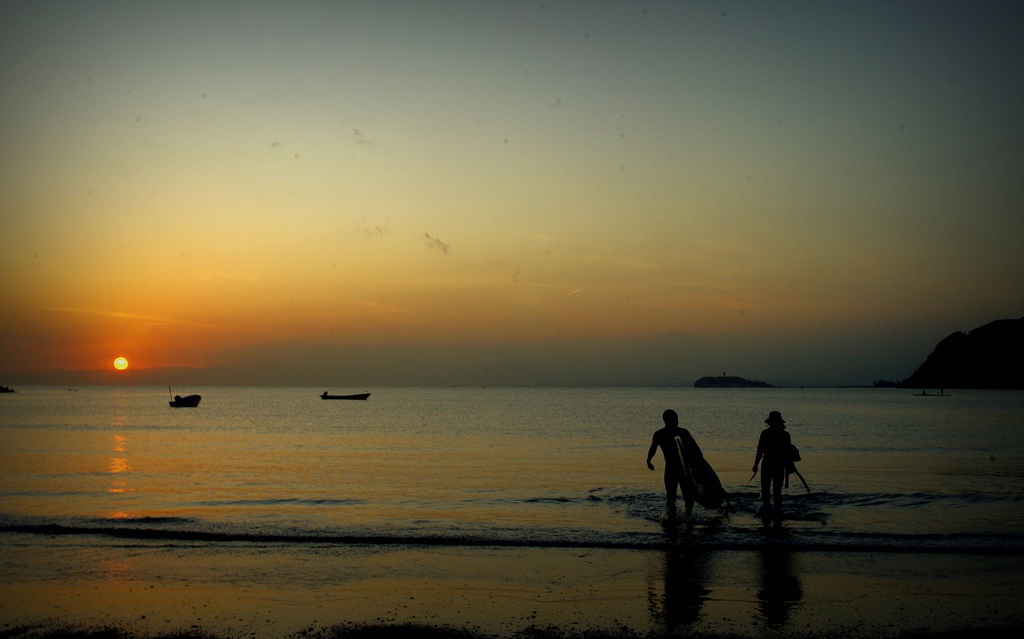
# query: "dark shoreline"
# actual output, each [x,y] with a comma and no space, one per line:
[911,544]
[426,631]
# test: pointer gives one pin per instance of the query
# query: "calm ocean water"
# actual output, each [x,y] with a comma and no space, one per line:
[464,466]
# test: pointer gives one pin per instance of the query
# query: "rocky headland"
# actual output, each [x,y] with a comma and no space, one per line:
[987,357]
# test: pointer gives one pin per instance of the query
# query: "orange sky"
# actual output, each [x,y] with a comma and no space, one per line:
[191,186]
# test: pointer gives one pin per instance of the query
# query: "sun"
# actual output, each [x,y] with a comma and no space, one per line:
[120,363]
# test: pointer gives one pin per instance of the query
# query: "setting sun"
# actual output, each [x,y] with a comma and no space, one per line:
[120,363]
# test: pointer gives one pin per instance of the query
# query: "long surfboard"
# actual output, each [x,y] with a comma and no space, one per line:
[704,484]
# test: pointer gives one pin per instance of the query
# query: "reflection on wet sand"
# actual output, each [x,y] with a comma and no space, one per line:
[781,589]
[690,584]
[679,601]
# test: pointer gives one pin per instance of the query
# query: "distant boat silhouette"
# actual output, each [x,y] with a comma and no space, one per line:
[356,396]
[924,393]
[4,389]
[189,401]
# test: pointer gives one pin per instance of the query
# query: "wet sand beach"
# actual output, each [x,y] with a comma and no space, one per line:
[275,590]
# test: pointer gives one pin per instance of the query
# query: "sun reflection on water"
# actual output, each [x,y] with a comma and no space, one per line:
[119,465]
[120,487]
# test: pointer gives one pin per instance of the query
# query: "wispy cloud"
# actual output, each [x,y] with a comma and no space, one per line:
[359,138]
[375,230]
[364,308]
[150,319]
[433,242]
[621,261]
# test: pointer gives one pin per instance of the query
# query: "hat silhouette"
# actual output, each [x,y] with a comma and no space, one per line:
[775,417]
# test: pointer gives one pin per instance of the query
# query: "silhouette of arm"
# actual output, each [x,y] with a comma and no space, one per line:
[651,451]
[760,453]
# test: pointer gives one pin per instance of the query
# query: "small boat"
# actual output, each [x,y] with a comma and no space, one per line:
[189,401]
[356,396]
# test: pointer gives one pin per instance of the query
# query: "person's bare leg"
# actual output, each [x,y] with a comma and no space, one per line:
[777,492]
[670,497]
[766,488]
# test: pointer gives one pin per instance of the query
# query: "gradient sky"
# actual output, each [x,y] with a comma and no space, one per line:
[360,193]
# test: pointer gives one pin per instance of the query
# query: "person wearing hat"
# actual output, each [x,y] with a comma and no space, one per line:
[774,449]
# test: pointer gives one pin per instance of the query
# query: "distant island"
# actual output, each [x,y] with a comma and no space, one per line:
[729,382]
[986,357]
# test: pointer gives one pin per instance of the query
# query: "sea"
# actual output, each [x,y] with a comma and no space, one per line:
[886,470]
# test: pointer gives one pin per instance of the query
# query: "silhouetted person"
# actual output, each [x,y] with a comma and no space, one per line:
[674,470]
[774,447]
